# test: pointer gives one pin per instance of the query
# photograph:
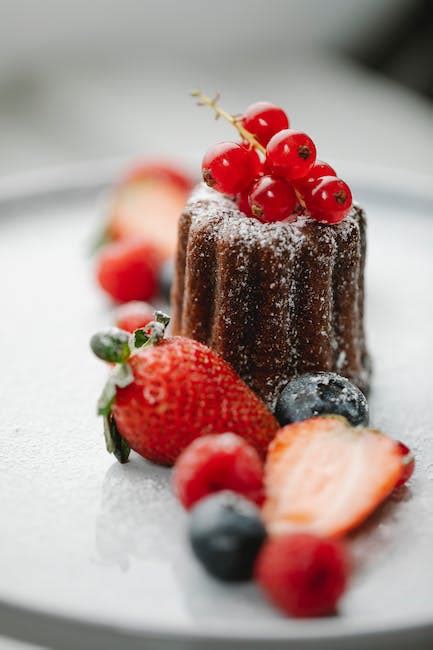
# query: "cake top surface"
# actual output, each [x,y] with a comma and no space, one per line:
[207,205]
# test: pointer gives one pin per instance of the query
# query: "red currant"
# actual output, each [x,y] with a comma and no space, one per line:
[243,203]
[264,120]
[318,170]
[254,157]
[229,167]
[290,154]
[329,199]
[408,462]
[272,199]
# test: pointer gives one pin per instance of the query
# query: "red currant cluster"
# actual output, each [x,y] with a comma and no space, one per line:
[273,172]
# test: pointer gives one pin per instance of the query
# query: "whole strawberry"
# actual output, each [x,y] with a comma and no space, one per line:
[160,398]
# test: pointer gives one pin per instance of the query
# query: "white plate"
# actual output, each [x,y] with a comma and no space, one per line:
[93,554]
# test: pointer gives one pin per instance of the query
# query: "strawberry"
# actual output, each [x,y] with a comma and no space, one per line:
[128,270]
[323,476]
[160,398]
[147,203]
[408,460]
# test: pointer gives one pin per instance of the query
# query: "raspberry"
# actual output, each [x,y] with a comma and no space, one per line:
[302,574]
[132,315]
[264,120]
[272,199]
[128,270]
[229,167]
[290,154]
[218,462]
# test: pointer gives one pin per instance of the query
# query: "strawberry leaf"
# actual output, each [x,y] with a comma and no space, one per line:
[120,377]
[151,334]
[139,339]
[111,344]
[106,398]
[114,442]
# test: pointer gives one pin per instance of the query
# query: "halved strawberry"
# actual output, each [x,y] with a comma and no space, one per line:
[147,203]
[324,476]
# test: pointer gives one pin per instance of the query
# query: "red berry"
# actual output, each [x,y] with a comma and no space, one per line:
[229,167]
[133,315]
[296,501]
[272,199]
[318,170]
[290,154]
[128,270]
[147,203]
[182,390]
[243,203]
[408,461]
[302,574]
[162,171]
[218,462]
[329,199]
[254,157]
[264,120]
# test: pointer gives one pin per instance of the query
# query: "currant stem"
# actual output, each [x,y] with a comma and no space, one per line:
[204,100]
[300,198]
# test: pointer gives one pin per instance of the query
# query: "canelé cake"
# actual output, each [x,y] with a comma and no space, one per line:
[274,299]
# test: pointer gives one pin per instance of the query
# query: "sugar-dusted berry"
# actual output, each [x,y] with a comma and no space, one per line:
[328,200]
[229,167]
[226,533]
[290,154]
[264,120]
[321,393]
[218,462]
[128,270]
[272,199]
[303,575]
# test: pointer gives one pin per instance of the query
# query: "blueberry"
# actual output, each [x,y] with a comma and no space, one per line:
[226,533]
[166,279]
[319,394]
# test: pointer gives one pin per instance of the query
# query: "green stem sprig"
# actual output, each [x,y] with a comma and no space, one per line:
[204,100]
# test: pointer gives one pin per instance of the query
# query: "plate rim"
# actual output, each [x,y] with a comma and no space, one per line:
[74,180]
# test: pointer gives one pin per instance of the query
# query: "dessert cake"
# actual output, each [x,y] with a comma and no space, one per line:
[274,299]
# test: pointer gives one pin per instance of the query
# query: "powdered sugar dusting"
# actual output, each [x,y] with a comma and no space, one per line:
[274,299]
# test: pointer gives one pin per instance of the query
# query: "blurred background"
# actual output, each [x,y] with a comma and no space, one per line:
[86,80]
